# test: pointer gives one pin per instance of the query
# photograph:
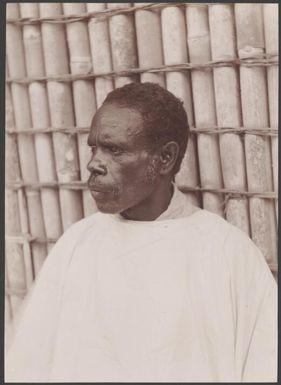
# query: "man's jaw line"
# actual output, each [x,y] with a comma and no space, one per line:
[150,208]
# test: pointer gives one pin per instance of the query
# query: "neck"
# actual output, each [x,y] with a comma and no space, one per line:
[153,206]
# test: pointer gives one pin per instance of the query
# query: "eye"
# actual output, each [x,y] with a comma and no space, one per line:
[115,150]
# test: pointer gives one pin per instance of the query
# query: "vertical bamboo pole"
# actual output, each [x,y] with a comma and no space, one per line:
[175,52]
[8,307]
[16,65]
[8,325]
[223,44]
[270,13]
[16,199]
[15,268]
[8,316]
[40,118]
[123,46]
[250,43]
[149,43]
[23,213]
[9,321]
[61,111]
[83,90]
[100,50]
[198,39]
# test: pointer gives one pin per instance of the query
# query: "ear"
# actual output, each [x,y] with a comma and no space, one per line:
[168,157]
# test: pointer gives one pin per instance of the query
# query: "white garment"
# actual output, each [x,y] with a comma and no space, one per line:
[186,299]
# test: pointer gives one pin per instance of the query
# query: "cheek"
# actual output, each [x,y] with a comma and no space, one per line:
[140,179]
[151,172]
[133,173]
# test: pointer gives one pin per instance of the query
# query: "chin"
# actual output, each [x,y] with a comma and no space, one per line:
[107,208]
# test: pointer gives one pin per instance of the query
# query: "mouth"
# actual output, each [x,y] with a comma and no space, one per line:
[95,187]
[98,194]
[97,191]
[101,191]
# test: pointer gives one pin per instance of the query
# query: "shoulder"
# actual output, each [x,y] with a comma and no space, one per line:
[239,247]
[222,254]
[232,244]
[230,237]
[210,225]
[83,223]
[245,261]
[236,257]
[63,248]
[77,229]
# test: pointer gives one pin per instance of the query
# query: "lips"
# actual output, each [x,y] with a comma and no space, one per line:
[94,187]
[98,193]
[97,189]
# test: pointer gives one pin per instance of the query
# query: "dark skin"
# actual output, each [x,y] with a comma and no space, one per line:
[128,176]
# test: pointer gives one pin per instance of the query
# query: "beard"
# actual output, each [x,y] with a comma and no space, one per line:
[151,172]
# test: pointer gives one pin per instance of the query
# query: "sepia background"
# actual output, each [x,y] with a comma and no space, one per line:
[220,59]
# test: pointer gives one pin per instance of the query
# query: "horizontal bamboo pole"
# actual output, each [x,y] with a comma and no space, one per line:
[101,13]
[270,15]
[175,51]
[223,45]
[16,67]
[250,43]
[40,118]
[61,112]
[198,39]
[215,130]
[100,50]
[267,61]
[79,185]
[149,43]
[123,43]
[83,90]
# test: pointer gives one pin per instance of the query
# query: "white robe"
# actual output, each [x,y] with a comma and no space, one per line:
[187,299]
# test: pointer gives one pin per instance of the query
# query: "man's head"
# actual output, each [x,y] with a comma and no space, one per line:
[163,114]
[138,139]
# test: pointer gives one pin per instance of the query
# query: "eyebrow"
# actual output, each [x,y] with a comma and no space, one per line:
[107,142]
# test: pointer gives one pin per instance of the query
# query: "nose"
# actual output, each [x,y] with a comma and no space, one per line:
[96,166]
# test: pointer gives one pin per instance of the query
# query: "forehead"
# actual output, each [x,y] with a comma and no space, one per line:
[115,122]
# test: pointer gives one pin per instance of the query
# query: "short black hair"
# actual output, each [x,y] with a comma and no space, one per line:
[163,113]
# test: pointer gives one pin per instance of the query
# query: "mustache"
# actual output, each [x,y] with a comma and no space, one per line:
[96,186]
[93,184]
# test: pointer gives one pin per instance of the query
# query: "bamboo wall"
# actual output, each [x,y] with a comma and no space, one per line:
[63,59]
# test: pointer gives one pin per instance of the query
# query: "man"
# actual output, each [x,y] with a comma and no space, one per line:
[150,288]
